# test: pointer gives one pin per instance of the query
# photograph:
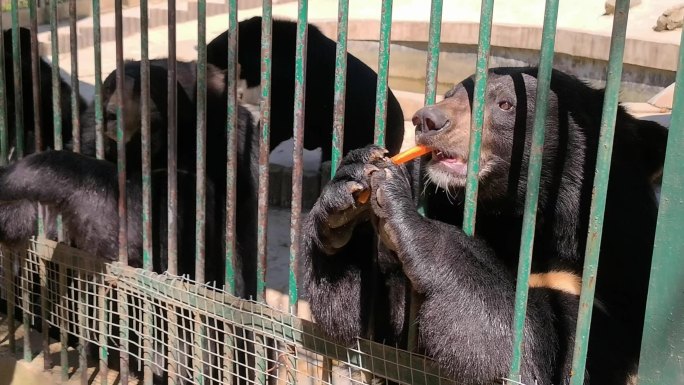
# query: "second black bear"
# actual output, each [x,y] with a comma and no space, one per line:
[468,283]
[320,86]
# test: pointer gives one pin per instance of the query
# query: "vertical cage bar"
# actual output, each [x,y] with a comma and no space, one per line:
[18,89]
[121,167]
[483,48]
[173,351]
[298,152]
[264,146]
[200,185]
[56,99]
[430,96]
[63,312]
[120,134]
[172,167]
[598,203]
[75,121]
[82,326]
[56,95]
[122,307]
[200,196]
[340,85]
[264,151]
[8,260]
[26,302]
[4,134]
[533,178]
[662,346]
[145,136]
[433,51]
[103,319]
[231,187]
[146,172]
[35,74]
[231,133]
[44,304]
[103,303]
[383,73]
[99,120]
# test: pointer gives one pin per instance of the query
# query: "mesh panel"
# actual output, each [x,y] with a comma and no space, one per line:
[187,332]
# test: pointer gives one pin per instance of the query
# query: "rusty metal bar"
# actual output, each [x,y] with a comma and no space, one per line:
[298,151]
[121,167]
[231,133]
[264,146]
[146,171]
[4,134]
[172,166]
[8,261]
[200,184]
[18,89]
[340,85]
[383,72]
[99,119]
[35,74]
[75,94]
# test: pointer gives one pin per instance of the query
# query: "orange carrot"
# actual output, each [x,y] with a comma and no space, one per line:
[400,158]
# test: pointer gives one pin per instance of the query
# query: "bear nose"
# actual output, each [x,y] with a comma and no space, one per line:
[430,119]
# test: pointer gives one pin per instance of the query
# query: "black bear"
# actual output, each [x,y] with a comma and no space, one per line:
[361,81]
[45,86]
[467,283]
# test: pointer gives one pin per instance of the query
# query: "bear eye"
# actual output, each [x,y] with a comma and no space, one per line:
[505,105]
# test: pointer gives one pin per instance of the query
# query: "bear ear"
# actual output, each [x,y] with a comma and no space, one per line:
[653,138]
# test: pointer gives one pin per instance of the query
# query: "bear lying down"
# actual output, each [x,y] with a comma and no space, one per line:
[467,284]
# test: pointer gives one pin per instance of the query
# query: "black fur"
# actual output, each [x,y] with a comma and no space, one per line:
[45,85]
[468,283]
[320,78]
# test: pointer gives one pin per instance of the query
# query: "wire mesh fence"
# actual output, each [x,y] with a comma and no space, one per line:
[181,331]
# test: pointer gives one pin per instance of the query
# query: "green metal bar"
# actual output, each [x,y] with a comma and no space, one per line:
[8,267]
[598,204]
[56,94]
[99,119]
[340,85]
[433,51]
[264,145]
[172,140]
[200,184]
[4,134]
[201,187]
[26,302]
[231,133]
[145,135]
[146,156]
[122,203]
[383,72]
[533,178]
[35,75]
[482,63]
[75,97]
[298,152]
[430,96]
[264,151]
[662,345]
[63,323]
[103,305]
[18,89]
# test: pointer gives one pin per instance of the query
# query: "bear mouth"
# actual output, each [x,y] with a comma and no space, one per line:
[453,164]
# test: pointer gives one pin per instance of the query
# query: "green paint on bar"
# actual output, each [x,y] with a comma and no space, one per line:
[383,73]
[533,178]
[482,62]
[340,86]
[598,204]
